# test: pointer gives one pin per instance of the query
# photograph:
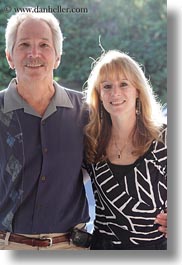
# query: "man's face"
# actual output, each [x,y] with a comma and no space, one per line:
[33,56]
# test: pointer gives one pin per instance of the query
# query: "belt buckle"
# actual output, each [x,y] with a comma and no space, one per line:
[50,240]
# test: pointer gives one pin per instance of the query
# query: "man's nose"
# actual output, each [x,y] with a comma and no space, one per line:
[34,51]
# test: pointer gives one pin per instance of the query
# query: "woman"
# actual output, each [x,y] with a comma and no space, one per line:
[126,155]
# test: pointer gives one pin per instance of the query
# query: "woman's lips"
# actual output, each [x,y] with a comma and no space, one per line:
[117,103]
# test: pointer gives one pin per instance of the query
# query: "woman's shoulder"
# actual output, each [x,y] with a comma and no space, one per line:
[159,146]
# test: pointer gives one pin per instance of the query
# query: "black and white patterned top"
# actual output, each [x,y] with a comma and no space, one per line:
[126,209]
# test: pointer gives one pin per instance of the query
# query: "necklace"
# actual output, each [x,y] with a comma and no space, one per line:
[119,150]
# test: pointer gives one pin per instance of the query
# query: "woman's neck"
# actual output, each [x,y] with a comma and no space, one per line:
[120,147]
[123,129]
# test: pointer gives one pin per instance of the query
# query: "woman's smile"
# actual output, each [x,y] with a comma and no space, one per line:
[117,103]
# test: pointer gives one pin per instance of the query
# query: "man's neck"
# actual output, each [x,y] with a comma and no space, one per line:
[36,95]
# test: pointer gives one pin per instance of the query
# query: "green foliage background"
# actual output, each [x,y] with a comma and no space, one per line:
[137,27]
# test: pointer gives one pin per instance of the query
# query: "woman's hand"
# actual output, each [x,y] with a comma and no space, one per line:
[161,219]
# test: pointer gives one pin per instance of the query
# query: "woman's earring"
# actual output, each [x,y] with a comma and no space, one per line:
[138,107]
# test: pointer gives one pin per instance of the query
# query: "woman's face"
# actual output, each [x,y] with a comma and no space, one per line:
[33,54]
[118,97]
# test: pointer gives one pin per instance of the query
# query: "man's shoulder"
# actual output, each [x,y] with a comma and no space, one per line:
[2,93]
[73,92]
[74,95]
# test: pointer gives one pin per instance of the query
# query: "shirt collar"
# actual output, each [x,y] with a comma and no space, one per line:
[13,101]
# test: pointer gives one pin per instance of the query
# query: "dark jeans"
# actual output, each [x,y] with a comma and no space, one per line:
[101,243]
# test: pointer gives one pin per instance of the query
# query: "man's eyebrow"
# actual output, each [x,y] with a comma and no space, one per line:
[24,39]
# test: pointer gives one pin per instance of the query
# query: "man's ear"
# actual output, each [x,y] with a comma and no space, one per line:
[57,62]
[10,60]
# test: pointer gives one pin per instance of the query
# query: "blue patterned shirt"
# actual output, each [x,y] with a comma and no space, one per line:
[41,186]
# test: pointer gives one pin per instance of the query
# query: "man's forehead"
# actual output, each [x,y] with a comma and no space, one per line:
[30,24]
[36,27]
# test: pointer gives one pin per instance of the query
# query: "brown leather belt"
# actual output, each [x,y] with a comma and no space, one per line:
[36,242]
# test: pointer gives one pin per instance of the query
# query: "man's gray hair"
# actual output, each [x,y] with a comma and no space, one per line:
[15,20]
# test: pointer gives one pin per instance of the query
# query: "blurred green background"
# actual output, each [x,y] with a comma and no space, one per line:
[137,27]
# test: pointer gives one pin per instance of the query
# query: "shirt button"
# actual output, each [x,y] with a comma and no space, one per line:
[43,178]
[45,150]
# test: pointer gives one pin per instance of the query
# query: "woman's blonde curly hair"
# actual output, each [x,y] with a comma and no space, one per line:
[98,130]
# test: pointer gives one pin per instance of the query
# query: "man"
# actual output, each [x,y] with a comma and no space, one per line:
[41,187]
[42,196]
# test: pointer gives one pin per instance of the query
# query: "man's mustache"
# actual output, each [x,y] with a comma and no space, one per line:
[34,62]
